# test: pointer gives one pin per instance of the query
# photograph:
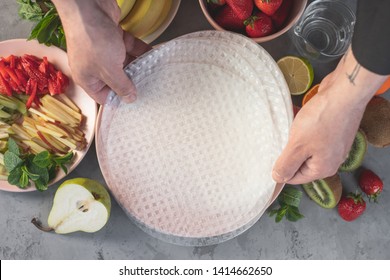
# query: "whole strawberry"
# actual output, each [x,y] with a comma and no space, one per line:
[351,206]
[259,25]
[242,8]
[281,15]
[371,184]
[215,5]
[268,7]
[229,20]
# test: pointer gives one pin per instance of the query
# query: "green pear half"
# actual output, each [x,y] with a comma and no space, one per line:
[79,204]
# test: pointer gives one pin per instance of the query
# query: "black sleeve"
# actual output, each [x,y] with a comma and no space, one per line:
[371,39]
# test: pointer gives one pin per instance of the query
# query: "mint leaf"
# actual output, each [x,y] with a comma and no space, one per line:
[29,10]
[289,200]
[14,176]
[23,181]
[43,159]
[30,175]
[40,186]
[64,159]
[13,147]
[42,172]
[290,196]
[293,214]
[52,172]
[11,161]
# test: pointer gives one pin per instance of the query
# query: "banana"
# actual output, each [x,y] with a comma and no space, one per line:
[161,18]
[125,6]
[136,15]
[152,15]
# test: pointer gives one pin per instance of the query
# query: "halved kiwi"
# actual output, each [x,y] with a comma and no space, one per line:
[325,192]
[356,154]
[376,122]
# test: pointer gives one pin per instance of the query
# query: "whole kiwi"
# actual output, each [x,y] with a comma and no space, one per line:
[356,154]
[376,122]
[325,192]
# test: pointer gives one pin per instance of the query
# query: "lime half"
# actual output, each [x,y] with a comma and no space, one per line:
[298,73]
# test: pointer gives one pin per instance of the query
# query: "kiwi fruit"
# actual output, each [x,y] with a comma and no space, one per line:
[356,154]
[376,122]
[325,192]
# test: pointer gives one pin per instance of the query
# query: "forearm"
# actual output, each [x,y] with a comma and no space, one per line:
[356,84]
[84,10]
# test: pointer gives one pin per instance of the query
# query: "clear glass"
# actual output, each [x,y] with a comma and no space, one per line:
[325,30]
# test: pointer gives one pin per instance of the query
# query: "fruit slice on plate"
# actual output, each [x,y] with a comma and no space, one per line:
[356,154]
[309,95]
[325,192]
[298,73]
[79,204]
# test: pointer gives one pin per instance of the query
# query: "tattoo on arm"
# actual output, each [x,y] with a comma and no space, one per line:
[353,75]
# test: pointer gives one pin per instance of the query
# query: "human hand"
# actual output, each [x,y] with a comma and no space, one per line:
[98,48]
[324,129]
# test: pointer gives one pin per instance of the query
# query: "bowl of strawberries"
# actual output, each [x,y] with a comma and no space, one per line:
[261,20]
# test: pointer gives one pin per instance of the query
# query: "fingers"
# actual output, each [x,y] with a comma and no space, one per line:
[134,46]
[288,164]
[118,81]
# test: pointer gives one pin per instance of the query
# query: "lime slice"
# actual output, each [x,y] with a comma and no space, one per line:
[298,73]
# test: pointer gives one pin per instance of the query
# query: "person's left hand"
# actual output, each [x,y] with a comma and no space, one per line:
[323,131]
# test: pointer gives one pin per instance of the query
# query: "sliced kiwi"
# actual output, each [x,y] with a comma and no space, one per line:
[356,154]
[376,122]
[325,192]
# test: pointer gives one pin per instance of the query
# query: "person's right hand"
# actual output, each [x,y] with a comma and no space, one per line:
[98,48]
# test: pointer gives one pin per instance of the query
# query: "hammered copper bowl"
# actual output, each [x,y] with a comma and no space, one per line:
[297,11]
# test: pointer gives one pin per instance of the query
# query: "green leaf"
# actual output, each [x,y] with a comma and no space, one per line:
[293,214]
[29,10]
[11,161]
[13,147]
[40,186]
[52,172]
[48,28]
[290,196]
[64,159]
[273,212]
[32,176]
[23,181]
[281,213]
[14,176]
[42,172]
[43,159]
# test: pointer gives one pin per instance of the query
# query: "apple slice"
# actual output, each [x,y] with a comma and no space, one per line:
[79,204]
[69,102]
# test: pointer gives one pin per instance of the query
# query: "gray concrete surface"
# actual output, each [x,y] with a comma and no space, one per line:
[322,234]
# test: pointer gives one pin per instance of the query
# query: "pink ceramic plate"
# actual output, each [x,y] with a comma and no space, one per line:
[87,105]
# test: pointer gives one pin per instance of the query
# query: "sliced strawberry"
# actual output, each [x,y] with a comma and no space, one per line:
[33,94]
[22,78]
[63,80]
[281,14]
[11,73]
[3,70]
[4,84]
[35,74]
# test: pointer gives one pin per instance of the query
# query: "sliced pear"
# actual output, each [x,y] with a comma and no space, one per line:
[79,204]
